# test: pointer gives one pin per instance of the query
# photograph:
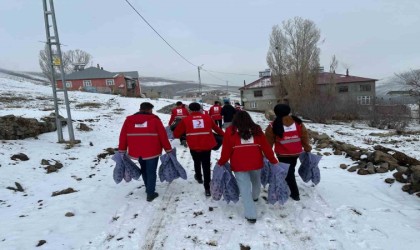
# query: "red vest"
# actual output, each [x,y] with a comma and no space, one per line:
[290,144]
[143,136]
[246,154]
[199,132]
[216,112]
[178,112]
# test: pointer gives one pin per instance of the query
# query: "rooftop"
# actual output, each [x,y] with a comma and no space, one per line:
[97,73]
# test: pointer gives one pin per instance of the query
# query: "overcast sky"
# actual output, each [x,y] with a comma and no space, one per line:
[373,38]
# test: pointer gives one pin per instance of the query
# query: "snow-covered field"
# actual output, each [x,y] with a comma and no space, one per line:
[345,211]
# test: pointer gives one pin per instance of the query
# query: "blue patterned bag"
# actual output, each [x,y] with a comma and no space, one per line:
[278,190]
[308,169]
[170,169]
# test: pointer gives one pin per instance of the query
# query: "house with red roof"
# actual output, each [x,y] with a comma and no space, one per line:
[98,80]
[260,95]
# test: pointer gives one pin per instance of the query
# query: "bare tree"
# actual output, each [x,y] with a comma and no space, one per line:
[71,58]
[78,57]
[293,57]
[331,91]
[45,62]
[412,79]
[333,64]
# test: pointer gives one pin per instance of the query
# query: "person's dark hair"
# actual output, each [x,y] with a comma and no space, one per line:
[216,102]
[194,106]
[146,106]
[178,103]
[226,102]
[246,127]
[282,110]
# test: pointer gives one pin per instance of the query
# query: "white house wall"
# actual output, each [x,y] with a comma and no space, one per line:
[263,103]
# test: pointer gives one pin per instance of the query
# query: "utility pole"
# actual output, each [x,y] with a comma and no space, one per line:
[57,60]
[199,82]
[227,87]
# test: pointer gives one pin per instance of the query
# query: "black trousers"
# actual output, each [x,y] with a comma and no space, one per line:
[291,179]
[202,160]
[219,123]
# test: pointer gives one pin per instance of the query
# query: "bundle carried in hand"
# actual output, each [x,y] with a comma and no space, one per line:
[265,172]
[278,190]
[170,169]
[125,168]
[169,133]
[224,184]
[309,169]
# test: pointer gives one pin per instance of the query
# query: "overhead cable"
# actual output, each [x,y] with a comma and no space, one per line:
[228,73]
[188,61]
[185,59]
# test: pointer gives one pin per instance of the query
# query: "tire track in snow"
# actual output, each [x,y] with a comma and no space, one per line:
[167,206]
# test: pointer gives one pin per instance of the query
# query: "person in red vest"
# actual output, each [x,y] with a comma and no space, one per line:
[198,128]
[143,137]
[216,113]
[178,112]
[289,136]
[244,145]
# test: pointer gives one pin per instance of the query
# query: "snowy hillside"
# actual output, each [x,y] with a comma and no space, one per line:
[387,84]
[345,211]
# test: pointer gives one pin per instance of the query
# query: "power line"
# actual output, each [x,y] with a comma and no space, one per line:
[159,34]
[208,72]
[188,61]
[228,73]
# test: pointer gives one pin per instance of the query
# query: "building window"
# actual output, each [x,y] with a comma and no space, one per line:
[109,82]
[258,93]
[364,100]
[343,89]
[365,87]
[87,83]
[253,105]
[68,84]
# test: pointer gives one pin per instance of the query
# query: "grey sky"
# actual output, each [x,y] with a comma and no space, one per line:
[374,38]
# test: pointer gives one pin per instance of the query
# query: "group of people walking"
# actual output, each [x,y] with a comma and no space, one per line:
[143,137]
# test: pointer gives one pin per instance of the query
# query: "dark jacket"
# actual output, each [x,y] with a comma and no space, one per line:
[228,111]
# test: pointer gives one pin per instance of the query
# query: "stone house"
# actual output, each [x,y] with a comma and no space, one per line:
[260,95]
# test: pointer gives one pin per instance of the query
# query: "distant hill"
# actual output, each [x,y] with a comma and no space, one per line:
[167,87]
[387,84]
[34,77]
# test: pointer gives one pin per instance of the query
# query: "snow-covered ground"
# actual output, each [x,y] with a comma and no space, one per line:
[345,211]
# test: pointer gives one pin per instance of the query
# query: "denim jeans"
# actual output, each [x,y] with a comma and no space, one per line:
[249,184]
[148,173]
